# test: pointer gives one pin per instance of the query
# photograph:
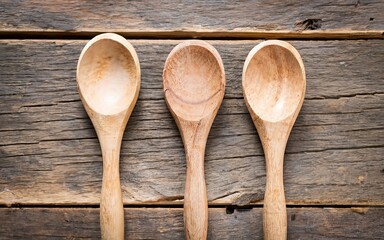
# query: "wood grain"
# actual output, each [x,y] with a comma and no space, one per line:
[194,88]
[167,223]
[274,85]
[188,19]
[108,80]
[49,152]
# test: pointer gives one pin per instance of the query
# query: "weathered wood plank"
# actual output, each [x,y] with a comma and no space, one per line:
[344,61]
[186,19]
[167,223]
[49,153]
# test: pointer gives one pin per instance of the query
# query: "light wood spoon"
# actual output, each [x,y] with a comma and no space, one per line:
[108,79]
[274,88]
[194,85]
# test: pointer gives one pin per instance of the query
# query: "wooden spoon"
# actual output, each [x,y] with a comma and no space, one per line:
[194,85]
[274,88]
[108,79]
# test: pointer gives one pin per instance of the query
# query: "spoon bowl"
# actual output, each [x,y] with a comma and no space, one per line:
[108,79]
[107,74]
[193,80]
[274,87]
[194,83]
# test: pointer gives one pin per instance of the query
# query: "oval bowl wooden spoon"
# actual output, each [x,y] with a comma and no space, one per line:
[194,85]
[108,79]
[274,87]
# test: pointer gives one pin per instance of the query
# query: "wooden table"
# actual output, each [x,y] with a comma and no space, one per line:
[50,159]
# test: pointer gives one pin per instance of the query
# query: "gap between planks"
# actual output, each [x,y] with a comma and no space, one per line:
[179,204]
[207,35]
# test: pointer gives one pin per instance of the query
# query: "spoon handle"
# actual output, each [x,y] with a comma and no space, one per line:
[195,198]
[111,203]
[275,214]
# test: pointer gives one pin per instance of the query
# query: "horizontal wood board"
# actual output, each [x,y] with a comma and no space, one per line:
[186,19]
[167,223]
[49,153]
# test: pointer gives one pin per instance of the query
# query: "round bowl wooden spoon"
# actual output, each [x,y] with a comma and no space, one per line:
[108,79]
[194,85]
[274,88]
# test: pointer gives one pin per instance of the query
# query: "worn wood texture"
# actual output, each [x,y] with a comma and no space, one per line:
[49,153]
[167,223]
[186,19]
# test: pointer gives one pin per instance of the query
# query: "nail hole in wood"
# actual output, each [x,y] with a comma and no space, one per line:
[230,210]
[309,24]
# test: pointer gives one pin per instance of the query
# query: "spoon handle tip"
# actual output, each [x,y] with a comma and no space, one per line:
[111,202]
[195,198]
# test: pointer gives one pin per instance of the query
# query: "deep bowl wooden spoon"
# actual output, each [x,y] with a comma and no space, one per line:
[274,88]
[108,79]
[194,85]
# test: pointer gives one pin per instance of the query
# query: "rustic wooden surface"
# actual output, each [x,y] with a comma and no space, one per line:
[50,153]
[50,158]
[186,19]
[167,223]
